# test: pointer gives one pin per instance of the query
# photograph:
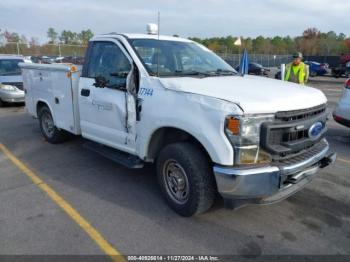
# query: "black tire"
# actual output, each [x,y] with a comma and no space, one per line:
[51,133]
[1,103]
[196,167]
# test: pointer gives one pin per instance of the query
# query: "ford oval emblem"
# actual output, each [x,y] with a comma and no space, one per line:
[315,130]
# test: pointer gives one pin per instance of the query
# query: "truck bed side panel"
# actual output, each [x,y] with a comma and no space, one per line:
[56,86]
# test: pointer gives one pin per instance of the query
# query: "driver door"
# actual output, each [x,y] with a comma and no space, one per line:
[104,111]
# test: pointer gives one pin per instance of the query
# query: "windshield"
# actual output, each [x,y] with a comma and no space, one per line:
[10,67]
[175,58]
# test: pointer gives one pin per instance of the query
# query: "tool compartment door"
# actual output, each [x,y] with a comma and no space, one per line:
[62,104]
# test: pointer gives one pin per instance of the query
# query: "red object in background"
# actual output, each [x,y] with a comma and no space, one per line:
[344,59]
[347,84]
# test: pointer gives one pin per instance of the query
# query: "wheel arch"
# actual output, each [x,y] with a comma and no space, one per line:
[41,103]
[167,135]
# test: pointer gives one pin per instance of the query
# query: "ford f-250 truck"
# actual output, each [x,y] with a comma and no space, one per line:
[147,98]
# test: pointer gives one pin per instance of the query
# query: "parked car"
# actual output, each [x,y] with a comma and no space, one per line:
[343,67]
[256,69]
[207,128]
[347,69]
[342,112]
[77,60]
[316,68]
[11,82]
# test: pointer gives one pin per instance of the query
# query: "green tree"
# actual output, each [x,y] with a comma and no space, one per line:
[69,37]
[84,36]
[52,35]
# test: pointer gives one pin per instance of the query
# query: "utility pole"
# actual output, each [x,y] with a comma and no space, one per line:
[59,49]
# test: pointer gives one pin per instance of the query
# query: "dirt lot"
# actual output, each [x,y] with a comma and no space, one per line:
[126,209]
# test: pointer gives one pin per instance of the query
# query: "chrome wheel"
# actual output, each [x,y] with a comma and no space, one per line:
[47,124]
[176,181]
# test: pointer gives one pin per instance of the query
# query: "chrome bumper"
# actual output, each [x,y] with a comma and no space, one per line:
[269,184]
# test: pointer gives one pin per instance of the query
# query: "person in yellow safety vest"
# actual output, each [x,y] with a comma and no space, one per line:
[297,71]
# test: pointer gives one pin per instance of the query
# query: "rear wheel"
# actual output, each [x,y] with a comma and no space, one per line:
[51,133]
[186,179]
[1,103]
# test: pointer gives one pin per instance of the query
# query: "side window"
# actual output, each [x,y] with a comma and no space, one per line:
[107,60]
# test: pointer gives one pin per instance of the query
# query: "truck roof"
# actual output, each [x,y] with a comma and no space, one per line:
[145,36]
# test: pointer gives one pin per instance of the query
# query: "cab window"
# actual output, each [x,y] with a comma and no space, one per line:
[107,60]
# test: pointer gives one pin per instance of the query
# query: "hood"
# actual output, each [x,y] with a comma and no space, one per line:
[254,94]
[11,79]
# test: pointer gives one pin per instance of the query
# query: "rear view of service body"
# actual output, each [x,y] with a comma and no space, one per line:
[142,98]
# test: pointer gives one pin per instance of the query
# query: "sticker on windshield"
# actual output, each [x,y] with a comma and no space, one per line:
[146,91]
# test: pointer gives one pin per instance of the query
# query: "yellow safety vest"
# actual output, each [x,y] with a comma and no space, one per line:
[299,77]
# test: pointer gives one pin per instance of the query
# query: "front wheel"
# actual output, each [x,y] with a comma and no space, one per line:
[51,133]
[186,179]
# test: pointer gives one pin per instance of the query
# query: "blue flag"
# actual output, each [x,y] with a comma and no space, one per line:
[243,65]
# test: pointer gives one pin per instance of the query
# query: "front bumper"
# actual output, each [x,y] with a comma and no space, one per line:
[12,96]
[264,185]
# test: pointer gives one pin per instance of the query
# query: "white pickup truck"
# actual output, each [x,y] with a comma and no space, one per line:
[147,98]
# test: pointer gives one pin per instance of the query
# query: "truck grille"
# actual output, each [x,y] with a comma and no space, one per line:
[288,135]
[287,116]
[19,85]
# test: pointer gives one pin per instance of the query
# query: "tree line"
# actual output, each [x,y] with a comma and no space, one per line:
[67,43]
[311,42]
[65,37]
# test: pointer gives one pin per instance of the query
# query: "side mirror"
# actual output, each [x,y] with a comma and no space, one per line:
[101,82]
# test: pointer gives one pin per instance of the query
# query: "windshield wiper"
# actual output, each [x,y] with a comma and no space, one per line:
[192,73]
[225,72]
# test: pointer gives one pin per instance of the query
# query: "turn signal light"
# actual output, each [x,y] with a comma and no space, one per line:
[233,124]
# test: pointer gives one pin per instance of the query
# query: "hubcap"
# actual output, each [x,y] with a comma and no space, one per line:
[176,181]
[47,124]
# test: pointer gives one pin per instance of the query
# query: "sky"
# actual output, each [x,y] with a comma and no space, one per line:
[206,18]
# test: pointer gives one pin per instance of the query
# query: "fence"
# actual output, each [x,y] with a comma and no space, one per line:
[266,60]
[42,50]
[263,59]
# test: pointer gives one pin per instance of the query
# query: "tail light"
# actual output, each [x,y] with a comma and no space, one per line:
[347,84]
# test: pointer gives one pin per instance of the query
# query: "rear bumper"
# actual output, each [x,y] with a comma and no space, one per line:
[12,97]
[341,120]
[269,184]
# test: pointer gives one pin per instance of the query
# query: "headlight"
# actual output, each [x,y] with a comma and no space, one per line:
[244,134]
[7,87]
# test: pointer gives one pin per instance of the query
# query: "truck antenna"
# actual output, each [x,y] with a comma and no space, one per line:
[158,22]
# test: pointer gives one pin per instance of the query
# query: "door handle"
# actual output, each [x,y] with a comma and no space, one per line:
[85,92]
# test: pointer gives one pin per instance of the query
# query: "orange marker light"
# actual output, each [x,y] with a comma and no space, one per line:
[73,69]
[233,125]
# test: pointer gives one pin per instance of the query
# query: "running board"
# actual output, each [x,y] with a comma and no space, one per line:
[125,159]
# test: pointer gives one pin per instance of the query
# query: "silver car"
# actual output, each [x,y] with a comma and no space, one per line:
[342,111]
[11,82]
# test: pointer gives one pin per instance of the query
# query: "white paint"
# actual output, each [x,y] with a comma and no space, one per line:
[197,106]
[253,93]
[343,107]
